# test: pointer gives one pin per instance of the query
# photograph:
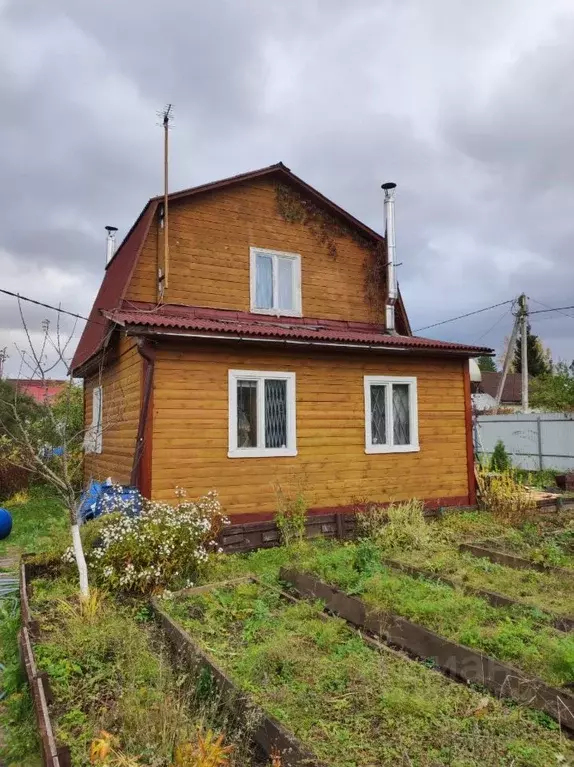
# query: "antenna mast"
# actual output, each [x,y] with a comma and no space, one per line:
[167,116]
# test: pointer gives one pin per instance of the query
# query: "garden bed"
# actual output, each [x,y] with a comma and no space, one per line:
[540,590]
[501,557]
[104,666]
[520,636]
[267,732]
[455,659]
[352,704]
[549,548]
[561,623]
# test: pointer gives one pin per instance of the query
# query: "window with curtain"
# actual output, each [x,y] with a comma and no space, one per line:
[275,282]
[391,415]
[261,414]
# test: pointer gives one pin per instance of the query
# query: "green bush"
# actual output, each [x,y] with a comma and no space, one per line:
[500,460]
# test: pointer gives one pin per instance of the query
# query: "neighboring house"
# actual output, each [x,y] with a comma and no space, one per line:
[43,391]
[484,391]
[264,363]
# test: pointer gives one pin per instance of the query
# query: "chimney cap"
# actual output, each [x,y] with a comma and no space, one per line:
[388,185]
[111,229]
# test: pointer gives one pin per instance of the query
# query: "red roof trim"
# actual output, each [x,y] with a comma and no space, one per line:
[288,174]
[121,266]
[234,324]
[112,289]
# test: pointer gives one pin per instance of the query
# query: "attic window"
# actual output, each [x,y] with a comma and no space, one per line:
[275,282]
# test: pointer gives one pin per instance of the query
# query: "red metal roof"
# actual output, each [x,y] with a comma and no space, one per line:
[121,266]
[43,391]
[112,289]
[245,325]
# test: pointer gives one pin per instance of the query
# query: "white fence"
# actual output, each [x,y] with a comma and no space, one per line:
[533,440]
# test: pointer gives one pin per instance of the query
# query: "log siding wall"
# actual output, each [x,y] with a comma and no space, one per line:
[210,238]
[121,383]
[190,430]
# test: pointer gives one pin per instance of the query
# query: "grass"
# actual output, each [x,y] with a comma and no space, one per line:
[546,591]
[20,743]
[350,704]
[552,548]
[39,522]
[110,671]
[519,636]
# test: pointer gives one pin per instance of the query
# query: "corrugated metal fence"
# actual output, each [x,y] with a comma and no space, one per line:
[535,441]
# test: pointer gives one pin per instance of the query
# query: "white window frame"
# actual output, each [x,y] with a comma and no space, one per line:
[413,446]
[296,275]
[261,451]
[93,440]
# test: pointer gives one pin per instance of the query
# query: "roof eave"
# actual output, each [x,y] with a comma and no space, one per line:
[175,333]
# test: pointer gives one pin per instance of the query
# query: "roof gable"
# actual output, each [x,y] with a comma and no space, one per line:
[121,266]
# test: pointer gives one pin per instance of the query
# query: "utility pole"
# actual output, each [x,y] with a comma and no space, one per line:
[523,314]
[3,356]
[508,357]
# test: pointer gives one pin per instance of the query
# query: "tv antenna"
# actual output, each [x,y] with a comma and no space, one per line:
[166,116]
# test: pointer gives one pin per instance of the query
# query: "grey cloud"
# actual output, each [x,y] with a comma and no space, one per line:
[469,108]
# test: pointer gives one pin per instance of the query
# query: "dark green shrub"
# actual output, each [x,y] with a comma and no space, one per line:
[500,460]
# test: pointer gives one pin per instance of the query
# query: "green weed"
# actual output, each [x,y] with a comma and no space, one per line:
[350,704]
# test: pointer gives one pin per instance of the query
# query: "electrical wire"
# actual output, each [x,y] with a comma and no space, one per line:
[551,309]
[468,314]
[506,312]
[49,306]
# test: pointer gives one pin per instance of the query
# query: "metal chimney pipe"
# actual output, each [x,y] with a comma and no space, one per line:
[110,242]
[392,292]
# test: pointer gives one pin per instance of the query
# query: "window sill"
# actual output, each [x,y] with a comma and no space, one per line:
[257,452]
[372,449]
[276,312]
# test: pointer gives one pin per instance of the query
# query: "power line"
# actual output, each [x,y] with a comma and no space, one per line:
[462,316]
[49,306]
[552,309]
[505,314]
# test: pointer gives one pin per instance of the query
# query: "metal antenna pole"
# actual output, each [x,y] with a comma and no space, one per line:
[524,350]
[166,118]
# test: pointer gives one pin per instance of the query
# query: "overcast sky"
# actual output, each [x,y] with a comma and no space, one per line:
[469,107]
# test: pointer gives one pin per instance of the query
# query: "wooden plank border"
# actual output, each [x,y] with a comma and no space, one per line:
[510,560]
[248,532]
[561,623]
[53,753]
[456,660]
[269,734]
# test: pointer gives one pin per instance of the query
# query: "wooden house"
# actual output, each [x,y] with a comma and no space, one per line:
[265,352]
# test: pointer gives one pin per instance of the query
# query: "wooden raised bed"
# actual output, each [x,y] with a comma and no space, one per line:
[510,560]
[561,623]
[53,753]
[269,734]
[456,660]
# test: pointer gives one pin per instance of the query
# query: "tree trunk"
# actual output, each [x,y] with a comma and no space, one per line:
[80,561]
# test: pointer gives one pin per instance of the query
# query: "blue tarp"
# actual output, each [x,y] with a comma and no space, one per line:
[100,496]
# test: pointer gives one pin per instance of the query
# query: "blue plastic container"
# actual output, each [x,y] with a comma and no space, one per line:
[5,524]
